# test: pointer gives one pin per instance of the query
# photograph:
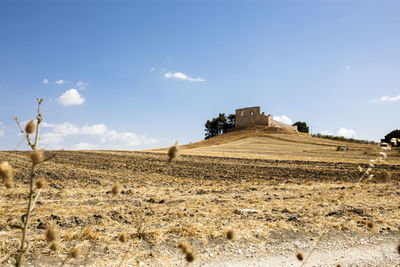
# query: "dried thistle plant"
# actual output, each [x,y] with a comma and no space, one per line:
[37,157]
[116,189]
[30,127]
[188,251]
[54,246]
[6,174]
[367,173]
[40,183]
[230,234]
[189,257]
[173,151]
[74,253]
[184,247]
[299,256]
[52,237]
[123,238]
[52,233]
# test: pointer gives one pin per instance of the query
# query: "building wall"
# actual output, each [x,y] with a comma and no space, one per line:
[246,117]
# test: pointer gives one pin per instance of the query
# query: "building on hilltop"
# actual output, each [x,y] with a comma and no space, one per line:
[246,117]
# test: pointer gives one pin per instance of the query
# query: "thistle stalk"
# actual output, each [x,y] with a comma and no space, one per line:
[27,217]
[32,200]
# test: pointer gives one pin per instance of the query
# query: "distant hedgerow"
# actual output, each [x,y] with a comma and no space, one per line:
[342,138]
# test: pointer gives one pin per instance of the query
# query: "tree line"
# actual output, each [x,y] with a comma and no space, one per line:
[219,125]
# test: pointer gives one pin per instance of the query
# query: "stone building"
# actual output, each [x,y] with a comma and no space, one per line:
[246,117]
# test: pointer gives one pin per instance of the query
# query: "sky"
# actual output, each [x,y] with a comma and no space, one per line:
[142,74]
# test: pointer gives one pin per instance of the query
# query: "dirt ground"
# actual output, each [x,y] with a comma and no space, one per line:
[274,207]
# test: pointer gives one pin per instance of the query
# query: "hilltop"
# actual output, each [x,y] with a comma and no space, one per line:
[259,142]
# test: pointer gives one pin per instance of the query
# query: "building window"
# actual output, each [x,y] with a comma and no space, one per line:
[252,113]
[241,114]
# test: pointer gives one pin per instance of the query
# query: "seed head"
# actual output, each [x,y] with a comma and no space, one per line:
[75,252]
[37,156]
[8,183]
[299,256]
[6,171]
[230,235]
[173,151]
[184,247]
[52,233]
[338,265]
[398,249]
[30,127]
[370,225]
[40,182]
[116,188]
[123,238]
[54,246]
[383,155]
[189,257]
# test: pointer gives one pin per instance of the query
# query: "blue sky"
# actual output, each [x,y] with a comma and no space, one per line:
[141,74]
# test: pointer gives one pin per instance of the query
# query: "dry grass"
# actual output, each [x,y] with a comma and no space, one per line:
[196,199]
[280,144]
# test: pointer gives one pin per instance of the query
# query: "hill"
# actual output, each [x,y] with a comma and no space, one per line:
[281,144]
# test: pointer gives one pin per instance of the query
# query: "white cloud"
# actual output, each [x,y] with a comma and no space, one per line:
[101,137]
[59,131]
[152,69]
[96,129]
[387,99]
[182,76]
[51,139]
[127,138]
[84,146]
[347,67]
[71,97]
[60,82]
[1,129]
[346,133]
[62,129]
[81,85]
[45,81]
[326,132]
[283,119]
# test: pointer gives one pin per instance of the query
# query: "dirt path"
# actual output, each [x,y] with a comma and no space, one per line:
[372,251]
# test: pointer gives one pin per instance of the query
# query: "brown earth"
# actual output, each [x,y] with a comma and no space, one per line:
[276,203]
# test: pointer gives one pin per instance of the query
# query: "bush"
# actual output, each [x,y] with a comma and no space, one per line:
[302,126]
[389,136]
[219,125]
[341,138]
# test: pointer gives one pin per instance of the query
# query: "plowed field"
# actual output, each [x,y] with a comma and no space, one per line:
[275,207]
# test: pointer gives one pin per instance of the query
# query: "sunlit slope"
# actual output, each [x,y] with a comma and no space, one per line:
[275,143]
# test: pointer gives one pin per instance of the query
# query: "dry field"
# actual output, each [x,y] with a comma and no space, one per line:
[280,193]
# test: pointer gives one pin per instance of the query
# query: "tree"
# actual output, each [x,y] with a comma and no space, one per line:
[392,134]
[219,125]
[302,126]
[231,121]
